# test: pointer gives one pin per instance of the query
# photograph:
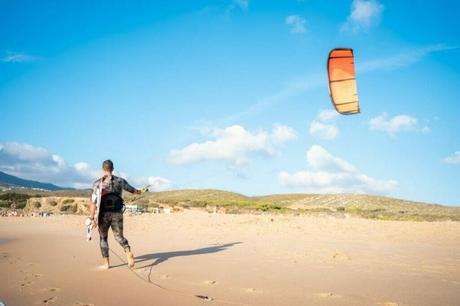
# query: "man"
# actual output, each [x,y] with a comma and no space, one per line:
[110,188]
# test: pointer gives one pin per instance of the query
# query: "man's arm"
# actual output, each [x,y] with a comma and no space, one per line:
[130,188]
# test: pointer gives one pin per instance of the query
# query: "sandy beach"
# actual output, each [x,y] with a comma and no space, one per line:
[232,260]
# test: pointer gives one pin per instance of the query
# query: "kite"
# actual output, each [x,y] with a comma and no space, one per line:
[342,81]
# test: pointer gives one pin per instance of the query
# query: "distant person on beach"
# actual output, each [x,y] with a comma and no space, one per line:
[110,188]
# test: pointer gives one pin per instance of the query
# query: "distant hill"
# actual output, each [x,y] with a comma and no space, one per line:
[11,181]
[338,205]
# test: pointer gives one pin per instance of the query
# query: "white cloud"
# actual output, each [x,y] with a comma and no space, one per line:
[364,14]
[319,158]
[327,115]
[11,57]
[157,183]
[283,133]
[323,131]
[36,163]
[331,174]
[323,125]
[233,144]
[425,130]
[399,123]
[402,59]
[296,23]
[454,159]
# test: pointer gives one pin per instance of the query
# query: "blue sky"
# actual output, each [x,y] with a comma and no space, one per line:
[232,95]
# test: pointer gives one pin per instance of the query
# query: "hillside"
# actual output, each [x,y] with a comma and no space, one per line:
[339,205]
[10,181]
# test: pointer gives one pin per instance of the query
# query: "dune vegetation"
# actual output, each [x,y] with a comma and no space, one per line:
[339,205]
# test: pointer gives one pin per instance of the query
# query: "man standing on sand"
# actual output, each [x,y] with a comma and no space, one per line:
[110,188]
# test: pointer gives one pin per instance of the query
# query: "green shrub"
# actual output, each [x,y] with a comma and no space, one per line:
[53,203]
[340,208]
[68,201]
[199,203]
[36,204]
[267,207]
[70,208]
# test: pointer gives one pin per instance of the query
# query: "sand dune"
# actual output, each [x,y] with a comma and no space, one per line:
[233,260]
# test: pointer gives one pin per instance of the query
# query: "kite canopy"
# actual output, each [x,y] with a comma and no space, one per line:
[342,81]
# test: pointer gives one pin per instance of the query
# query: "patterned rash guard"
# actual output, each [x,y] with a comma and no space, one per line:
[111,184]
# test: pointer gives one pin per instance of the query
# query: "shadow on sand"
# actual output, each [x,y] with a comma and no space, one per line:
[159,258]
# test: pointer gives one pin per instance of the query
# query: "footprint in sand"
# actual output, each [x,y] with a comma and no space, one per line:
[165,276]
[50,300]
[253,290]
[38,275]
[210,282]
[328,295]
[83,304]
[341,256]
[54,289]
[26,284]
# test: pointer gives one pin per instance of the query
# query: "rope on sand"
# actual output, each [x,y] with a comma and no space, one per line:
[149,281]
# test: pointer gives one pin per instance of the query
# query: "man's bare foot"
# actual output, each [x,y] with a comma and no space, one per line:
[106,264]
[130,258]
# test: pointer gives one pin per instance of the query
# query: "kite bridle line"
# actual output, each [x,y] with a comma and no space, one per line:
[149,281]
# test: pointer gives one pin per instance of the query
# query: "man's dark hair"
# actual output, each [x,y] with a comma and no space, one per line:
[107,165]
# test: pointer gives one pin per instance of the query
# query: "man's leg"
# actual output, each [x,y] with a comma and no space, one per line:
[117,229]
[103,226]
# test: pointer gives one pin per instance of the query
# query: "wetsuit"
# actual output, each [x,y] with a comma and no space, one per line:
[114,186]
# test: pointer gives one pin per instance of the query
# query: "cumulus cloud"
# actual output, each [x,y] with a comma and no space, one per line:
[399,123]
[323,131]
[331,174]
[36,163]
[453,159]
[296,23]
[157,183]
[283,133]
[327,115]
[364,14]
[234,144]
[323,125]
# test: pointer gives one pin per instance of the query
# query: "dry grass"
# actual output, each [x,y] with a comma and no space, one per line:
[340,205]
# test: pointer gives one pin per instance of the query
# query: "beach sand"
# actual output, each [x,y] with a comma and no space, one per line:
[233,260]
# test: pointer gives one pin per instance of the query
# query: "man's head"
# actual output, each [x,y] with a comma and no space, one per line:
[107,166]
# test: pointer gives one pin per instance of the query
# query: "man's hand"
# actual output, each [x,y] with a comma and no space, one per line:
[93,223]
[145,189]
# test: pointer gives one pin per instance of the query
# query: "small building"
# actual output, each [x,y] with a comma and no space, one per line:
[134,208]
